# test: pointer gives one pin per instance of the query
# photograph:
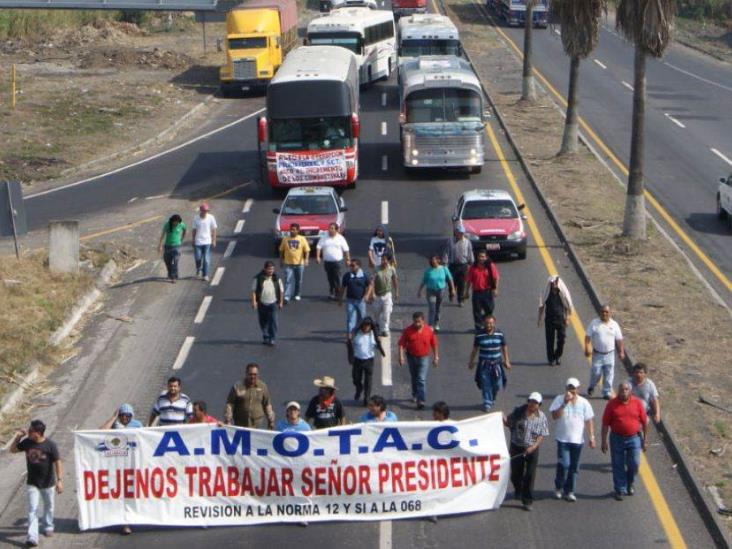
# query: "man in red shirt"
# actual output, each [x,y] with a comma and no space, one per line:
[483,278]
[416,342]
[200,414]
[626,420]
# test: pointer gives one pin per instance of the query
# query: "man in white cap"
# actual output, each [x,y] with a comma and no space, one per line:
[325,409]
[528,427]
[292,421]
[573,415]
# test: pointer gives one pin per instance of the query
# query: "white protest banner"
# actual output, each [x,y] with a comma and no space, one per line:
[317,167]
[205,475]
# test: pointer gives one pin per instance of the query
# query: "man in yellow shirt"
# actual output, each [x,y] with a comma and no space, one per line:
[295,255]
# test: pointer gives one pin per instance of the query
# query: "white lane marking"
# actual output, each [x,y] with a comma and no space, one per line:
[384,212]
[384,163]
[217,276]
[131,200]
[239,226]
[383,99]
[627,85]
[247,205]
[720,155]
[155,197]
[385,534]
[672,119]
[203,309]
[149,158]
[600,63]
[383,128]
[700,78]
[229,249]
[557,32]
[183,353]
[386,362]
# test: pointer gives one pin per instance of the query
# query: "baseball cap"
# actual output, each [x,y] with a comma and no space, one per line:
[126,409]
[459,228]
[535,397]
[292,404]
[573,381]
[204,206]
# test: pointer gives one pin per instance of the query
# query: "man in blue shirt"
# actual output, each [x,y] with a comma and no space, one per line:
[357,288]
[492,351]
[293,421]
[377,412]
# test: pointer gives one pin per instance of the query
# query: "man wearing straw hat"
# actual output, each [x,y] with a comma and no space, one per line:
[325,409]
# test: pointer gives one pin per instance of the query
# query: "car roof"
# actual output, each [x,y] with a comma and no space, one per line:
[310,191]
[486,194]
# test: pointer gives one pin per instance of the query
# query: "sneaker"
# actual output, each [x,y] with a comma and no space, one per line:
[436,328]
[286,300]
[205,278]
[631,490]
[48,532]
[571,497]
[590,390]
[618,496]
[297,298]
[420,405]
[126,531]
[460,304]
[31,543]
[527,507]
[557,494]
[558,362]
[487,409]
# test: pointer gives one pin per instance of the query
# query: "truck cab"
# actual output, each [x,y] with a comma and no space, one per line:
[724,199]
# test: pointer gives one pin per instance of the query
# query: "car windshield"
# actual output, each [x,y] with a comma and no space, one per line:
[443,105]
[489,209]
[309,205]
[247,43]
[415,48]
[349,40]
[310,134]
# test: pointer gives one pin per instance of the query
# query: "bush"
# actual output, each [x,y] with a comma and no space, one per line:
[137,17]
[22,24]
[717,10]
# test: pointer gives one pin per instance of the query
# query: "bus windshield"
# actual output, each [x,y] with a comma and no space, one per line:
[443,105]
[310,134]
[247,43]
[415,48]
[350,40]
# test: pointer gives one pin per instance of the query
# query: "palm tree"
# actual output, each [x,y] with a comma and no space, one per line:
[647,24]
[528,87]
[579,21]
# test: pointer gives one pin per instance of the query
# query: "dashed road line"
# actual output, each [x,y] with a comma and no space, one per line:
[131,200]
[723,157]
[183,353]
[672,119]
[384,163]
[217,276]
[155,197]
[239,226]
[203,309]
[229,249]
[383,128]
[628,86]
[600,63]
[385,534]
[384,212]
[383,99]
[247,205]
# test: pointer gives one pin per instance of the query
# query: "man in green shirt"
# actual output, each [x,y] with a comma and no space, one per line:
[386,292]
[171,238]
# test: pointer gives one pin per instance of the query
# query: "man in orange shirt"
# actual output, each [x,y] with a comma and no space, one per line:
[416,342]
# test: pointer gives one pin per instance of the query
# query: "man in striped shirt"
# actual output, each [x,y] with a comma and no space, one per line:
[490,347]
[172,407]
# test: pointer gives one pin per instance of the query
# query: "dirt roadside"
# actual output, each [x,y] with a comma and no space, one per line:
[665,311]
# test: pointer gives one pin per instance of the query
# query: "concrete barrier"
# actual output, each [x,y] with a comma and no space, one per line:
[63,246]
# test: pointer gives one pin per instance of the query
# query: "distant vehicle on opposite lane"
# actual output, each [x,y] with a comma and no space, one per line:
[724,199]
[513,12]
[313,208]
[491,221]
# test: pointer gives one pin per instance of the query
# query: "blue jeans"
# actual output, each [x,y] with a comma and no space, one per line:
[418,368]
[568,461]
[202,255]
[489,385]
[171,256]
[268,320]
[625,454]
[434,302]
[603,365]
[293,277]
[34,499]
[355,312]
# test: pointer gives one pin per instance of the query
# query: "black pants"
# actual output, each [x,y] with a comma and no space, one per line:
[363,370]
[267,315]
[482,305]
[333,272]
[458,272]
[171,255]
[556,332]
[523,471]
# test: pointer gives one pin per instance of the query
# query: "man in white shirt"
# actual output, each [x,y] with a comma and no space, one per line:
[603,338]
[331,250]
[204,239]
[573,415]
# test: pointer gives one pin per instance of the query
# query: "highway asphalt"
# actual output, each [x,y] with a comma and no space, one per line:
[311,344]
[688,118]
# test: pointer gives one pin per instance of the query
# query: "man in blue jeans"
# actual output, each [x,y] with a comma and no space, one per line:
[415,344]
[490,347]
[357,288]
[204,240]
[626,420]
[573,415]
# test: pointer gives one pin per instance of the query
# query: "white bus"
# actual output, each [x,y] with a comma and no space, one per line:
[427,34]
[368,33]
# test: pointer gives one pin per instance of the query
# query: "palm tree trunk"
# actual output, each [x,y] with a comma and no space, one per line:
[528,90]
[569,140]
[634,222]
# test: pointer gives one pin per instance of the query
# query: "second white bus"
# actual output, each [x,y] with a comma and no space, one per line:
[368,33]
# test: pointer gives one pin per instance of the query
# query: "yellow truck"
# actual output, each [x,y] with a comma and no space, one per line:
[259,33]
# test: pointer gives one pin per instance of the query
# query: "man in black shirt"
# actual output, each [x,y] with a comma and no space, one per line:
[325,409]
[45,473]
[556,306]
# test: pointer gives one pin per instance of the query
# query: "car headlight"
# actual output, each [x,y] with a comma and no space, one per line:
[516,235]
[415,152]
